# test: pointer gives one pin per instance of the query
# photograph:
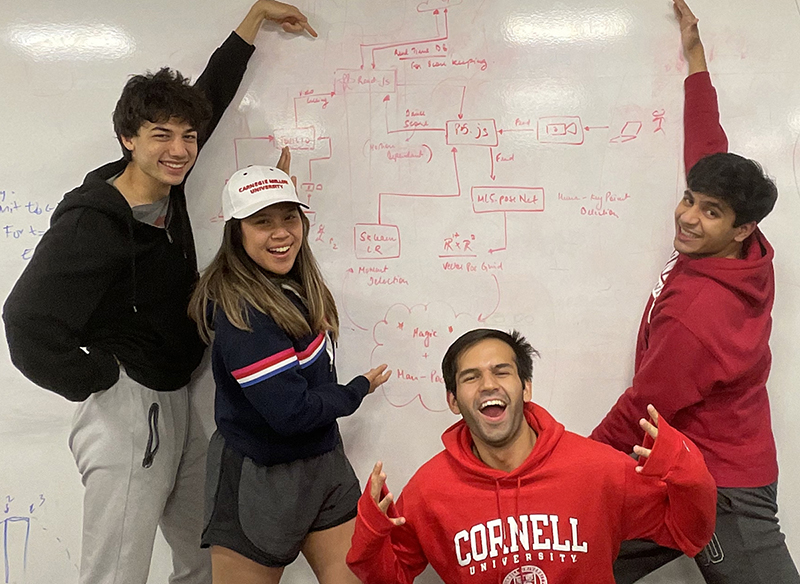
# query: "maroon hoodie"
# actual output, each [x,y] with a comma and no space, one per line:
[702,354]
[558,518]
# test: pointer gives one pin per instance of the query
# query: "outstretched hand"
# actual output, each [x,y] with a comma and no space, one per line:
[377,480]
[377,376]
[652,430]
[288,16]
[690,36]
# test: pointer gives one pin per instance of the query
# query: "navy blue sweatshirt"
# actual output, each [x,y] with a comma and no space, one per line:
[103,287]
[277,398]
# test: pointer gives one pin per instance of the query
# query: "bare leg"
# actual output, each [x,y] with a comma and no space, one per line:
[325,552]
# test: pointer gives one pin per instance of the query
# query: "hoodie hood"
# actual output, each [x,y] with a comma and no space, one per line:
[750,278]
[727,304]
[458,442]
[96,193]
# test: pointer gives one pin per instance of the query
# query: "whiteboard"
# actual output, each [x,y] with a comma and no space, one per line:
[468,163]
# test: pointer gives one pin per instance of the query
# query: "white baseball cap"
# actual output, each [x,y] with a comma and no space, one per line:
[251,189]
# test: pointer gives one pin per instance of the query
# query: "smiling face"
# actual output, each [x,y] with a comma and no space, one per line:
[490,394]
[704,227]
[162,153]
[272,237]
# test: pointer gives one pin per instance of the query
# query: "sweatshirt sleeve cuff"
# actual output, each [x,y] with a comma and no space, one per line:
[665,451]
[361,384]
[700,81]
[371,516]
[236,43]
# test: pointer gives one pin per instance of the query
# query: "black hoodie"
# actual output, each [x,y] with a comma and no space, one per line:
[103,288]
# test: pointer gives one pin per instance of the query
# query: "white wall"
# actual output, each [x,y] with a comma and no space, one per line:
[573,282]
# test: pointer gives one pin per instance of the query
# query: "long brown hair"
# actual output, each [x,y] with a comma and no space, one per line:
[233,281]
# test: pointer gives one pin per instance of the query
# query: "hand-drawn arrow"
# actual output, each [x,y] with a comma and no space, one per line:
[481,317]
[505,235]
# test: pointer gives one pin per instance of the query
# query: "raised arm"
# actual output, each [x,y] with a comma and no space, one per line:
[690,37]
[225,69]
[384,547]
[673,501]
[703,134]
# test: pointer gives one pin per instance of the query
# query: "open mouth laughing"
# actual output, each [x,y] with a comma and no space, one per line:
[493,409]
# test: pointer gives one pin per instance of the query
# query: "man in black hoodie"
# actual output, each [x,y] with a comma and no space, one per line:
[99,317]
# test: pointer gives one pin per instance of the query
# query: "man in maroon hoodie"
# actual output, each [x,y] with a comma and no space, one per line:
[702,353]
[516,498]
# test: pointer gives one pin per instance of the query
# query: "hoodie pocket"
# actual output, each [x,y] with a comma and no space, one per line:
[152,438]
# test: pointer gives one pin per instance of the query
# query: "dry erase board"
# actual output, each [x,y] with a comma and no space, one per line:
[468,163]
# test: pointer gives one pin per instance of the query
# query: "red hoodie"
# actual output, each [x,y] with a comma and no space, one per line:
[702,353]
[558,518]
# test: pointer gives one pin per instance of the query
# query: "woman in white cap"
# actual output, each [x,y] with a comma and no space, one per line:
[278,482]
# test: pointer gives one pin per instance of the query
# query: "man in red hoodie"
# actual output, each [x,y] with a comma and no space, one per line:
[702,354]
[516,498]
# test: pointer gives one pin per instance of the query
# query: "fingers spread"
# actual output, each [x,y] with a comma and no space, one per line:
[377,478]
[384,503]
[649,428]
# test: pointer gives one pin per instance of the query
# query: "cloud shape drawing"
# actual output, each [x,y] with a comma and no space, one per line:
[413,340]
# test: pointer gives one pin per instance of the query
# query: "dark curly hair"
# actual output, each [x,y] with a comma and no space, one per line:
[738,181]
[156,98]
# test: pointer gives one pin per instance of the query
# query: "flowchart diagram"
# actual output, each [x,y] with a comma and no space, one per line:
[411,102]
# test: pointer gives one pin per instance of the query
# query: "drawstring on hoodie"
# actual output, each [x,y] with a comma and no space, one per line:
[133,267]
[505,533]
[502,523]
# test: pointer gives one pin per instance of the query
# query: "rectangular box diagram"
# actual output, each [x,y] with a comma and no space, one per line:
[296,138]
[375,241]
[471,133]
[507,199]
[560,130]
[365,81]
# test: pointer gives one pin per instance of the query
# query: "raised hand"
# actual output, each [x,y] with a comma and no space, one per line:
[690,36]
[288,16]
[284,162]
[652,430]
[377,480]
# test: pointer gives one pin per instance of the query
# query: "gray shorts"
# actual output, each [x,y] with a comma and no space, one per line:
[265,512]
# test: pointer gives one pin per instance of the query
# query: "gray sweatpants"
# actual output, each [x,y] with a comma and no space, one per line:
[141,455]
[748,546]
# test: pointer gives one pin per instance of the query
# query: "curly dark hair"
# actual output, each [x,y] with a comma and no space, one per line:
[736,180]
[156,98]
